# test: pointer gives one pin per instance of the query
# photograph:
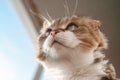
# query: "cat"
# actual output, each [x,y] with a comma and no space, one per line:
[70,48]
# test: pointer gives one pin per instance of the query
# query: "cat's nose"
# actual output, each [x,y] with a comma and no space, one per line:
[53,33]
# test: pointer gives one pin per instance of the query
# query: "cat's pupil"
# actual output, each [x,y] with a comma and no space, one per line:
[48,32]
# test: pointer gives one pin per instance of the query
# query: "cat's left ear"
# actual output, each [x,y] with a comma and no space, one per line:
[95,24]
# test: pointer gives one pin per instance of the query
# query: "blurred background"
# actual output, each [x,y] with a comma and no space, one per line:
[19,28]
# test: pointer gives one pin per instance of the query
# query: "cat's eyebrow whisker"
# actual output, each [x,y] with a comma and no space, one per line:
[40,16]
[75,9]
[67,8]
[65,13]
[45,20]
[69,5]
[50,18]
[34,13]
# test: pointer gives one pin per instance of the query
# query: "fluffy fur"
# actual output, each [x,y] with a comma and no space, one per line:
[72,54]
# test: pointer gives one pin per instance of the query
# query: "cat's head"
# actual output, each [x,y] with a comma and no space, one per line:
[65,35]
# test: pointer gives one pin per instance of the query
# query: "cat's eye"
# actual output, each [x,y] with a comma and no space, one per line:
[72,27]
[48,32]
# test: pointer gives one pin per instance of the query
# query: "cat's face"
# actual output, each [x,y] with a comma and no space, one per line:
[65,35]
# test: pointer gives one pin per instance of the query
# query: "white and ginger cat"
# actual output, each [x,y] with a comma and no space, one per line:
[70,49]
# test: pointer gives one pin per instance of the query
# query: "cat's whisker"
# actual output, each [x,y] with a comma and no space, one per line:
[65,13]
[46,21]
[67,8]
[35,14]
[75,9]
[50,18]
[40,16]
[68,3]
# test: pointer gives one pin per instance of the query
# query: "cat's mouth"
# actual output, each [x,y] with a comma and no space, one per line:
[58,43]
[53,41]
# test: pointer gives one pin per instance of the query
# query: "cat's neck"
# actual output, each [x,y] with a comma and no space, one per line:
[82,65]
[75,60]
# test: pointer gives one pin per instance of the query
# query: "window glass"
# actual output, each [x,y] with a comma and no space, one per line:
[17,60]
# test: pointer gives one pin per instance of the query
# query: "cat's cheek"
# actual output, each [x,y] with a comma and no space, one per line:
[48,43]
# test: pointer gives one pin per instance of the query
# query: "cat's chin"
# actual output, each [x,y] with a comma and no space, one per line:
[58,49]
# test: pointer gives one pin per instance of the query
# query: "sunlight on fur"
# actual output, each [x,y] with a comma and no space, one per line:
[69,48]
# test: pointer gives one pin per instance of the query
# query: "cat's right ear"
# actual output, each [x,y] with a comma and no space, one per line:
[95,24]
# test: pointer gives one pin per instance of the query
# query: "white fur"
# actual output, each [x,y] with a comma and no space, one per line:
[68,39]
[66,61]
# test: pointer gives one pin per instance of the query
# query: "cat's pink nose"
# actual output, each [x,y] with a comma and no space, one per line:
[53,33]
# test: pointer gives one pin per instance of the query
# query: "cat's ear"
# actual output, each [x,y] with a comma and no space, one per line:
[103,44]
[95,24]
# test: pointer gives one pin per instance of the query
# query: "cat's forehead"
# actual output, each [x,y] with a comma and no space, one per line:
[62,22]
[65,21]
